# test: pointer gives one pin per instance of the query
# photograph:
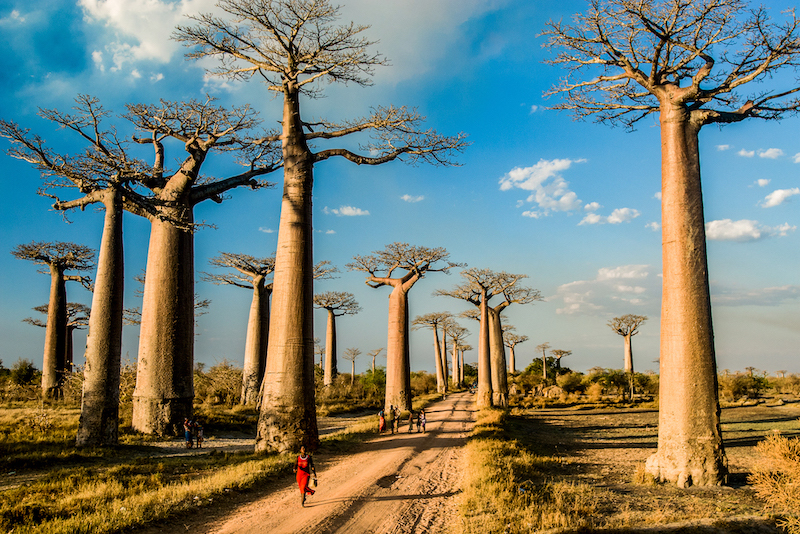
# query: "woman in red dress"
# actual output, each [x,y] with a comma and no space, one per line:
[304,468]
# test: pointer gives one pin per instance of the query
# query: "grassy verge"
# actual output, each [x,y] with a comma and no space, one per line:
[508,489]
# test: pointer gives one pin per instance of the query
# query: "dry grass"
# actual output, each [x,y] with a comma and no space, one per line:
[777,478]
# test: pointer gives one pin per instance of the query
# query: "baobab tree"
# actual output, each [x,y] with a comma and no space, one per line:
[691,62]
[57,257]
[319,350]
[481,286]
[558,354]
[457,333]
[627,326]
[433,321]
[543,347]
[511,340]
[415,262]
[250,273]
[295,46]
[350,355]
[164,381]
[337,304]
[77,319]
[374,353]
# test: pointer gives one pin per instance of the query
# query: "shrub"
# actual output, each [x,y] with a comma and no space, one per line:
[570,382]
[24,373]
[775,479]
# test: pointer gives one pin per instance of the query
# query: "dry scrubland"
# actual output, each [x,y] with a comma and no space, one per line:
[570,464]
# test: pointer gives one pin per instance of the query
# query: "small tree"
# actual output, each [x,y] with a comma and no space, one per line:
[543,348]
[59,257]
[77,319]
[337,304]
[558,354]
[433,321]
[628,326]
[350,355]
[511,340]
[374,354]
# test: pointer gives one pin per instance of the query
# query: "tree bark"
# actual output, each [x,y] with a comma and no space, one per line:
[461,366]
[99,420]
[164,381]
[628,357]
[437,358]
[455,371]
[398,364]
[256,342]
[512,360]
[484,399]
[690,450]
[331,363]
[55,335]
[288,417]
[443,360]
[497,350]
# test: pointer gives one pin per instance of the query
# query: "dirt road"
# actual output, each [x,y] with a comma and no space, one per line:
[398,483]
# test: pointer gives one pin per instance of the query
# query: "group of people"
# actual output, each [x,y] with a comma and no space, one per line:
[193,431]
[391,420]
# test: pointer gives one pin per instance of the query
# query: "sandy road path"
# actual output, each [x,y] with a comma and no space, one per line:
[399,483]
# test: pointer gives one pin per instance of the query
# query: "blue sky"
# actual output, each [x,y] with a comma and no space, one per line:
[574,205]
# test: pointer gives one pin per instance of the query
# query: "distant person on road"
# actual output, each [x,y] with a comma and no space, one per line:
[390,418]
[396,419]
[187,432]
[198,433]
[304,467]
[410,420]
[422,419]
[381,422]
[419,419]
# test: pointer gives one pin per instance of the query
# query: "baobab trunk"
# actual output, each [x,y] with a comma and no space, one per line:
[690,448]
[497,351]
[99,421]
[455,371]
[55,335]
[460,366]
[288,417]
[484,399]
[628,356]
[443,360]
[398,365]
[512,360]
[255,347]
[331,364]
[437,357]
[164,379]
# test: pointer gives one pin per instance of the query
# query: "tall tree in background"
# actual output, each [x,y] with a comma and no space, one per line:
[164,381]
[543,347]
[58,257]
[511,340]
[77,319]
[690,62]
[558,354]
[374,354]
[434,321]
[251,273]
[457,333]
[414,262]
[350,355]
[294,46]
[337,304]
[628,326]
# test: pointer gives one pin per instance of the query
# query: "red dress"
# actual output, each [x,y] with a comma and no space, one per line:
[304,466]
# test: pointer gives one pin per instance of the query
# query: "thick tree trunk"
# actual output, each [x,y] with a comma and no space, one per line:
[288,417]
[628,360]
[512,360]
[352,373]
[331,363]
[164,380]
[55,335]
[690,448]
[256,342]
[544,365]
[497,350]
[99,421]
[484,399]
[437,360]
[461,366]
[455,372]
[443,360]
[398,364]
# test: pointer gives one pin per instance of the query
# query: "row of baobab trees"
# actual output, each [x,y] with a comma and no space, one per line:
[686,62]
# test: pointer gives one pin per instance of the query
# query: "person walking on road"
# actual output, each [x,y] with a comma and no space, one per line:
[304,467]
[422,419]
[390,418]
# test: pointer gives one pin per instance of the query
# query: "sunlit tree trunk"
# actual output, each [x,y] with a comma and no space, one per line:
[455,370]
[437,356]
[288,416]
[443,361]
[484,399]
[256,342]
[55,335]
[497,352]
[628,354]
[331,363]
[689,439]
[99,420]
[512,360]
[398,364]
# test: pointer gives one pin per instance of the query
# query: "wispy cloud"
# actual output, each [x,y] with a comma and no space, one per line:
[768,296]
[534,109]
[657,196]
[770,153]
[628,285]
[762,182]
[723,147]
[796,158]
[747,153]
[266,230]
[619,215]
[13,18]
[409,198]
[345,211]
[654,226]
[549,190]
[779,196]
[744,230]
[592,206]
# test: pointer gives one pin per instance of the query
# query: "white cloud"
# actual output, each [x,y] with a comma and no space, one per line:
[654,226]
[531,214]
[779,196]
[548,188]
[409,198]
[763,182]
[770,153]
[534,109]
[744,230]
[266,230]
[747,153]
[15,17]
[614,288]
[657,196]
[617,216]
[345,211]
[331,232]
[796,158]
[723,147]
[135,74]
[592,206]
[768,296]
[97,58]
[157,77]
